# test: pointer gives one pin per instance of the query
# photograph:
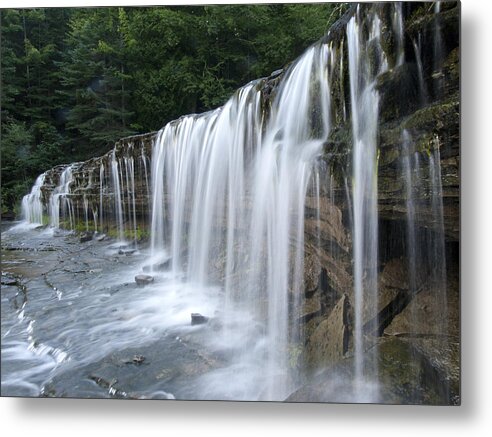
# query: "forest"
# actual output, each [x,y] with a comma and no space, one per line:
[73,81]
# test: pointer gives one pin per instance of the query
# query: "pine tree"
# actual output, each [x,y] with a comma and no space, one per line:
[94,79]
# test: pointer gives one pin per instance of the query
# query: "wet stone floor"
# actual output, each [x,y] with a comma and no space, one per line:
[75,324]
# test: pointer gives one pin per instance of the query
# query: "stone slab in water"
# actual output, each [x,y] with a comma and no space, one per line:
[144,279]
[198,319]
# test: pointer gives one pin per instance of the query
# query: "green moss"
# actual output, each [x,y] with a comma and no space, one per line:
[17,209]
[434,116]
[388,155]
[129,234]
[295,353]
[81,226]
[419,16]
[430,127]
[451,66]
[65,224]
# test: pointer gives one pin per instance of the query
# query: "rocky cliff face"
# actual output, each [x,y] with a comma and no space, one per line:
[413,321]
[418,124]
[88,202]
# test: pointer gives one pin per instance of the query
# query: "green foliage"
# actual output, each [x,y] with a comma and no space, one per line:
[75,80]
[142,234]
[295,355]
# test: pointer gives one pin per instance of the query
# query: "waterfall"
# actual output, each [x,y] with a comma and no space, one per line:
[101,193]
[365,108]
[145,175]
[437,242]
[86,212]
[398,30]
[438,51]
[417,47]
[293,181]
[237,190]
[408,170]
[32,205]
[117,193]
[61,194]
[283,170]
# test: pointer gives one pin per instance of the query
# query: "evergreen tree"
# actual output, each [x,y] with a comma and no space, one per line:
[94,82]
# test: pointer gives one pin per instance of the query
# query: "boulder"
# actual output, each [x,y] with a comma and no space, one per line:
[394,373]
[144,279]
[85,236]
[433,331]
[138,359]
[198,319]
[330,340]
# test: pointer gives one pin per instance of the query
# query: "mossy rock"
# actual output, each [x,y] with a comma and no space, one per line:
[394,373]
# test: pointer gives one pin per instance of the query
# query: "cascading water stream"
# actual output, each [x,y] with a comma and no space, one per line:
[437,242]
[408,170]
[399,30]
[60,202]
[438,51]
[130,190]
[86,212]
[417,47]
[283,170]
[247,192]
[365,110]
[115,173]
[101,198]
[32,206]
[144,159]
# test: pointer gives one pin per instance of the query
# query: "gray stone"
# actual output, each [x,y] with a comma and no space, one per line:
[86,236]
[330,340]
[403,375]
[198,319]
[144,279]
[276,73]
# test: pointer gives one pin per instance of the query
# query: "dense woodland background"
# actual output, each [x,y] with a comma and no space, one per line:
[75,80]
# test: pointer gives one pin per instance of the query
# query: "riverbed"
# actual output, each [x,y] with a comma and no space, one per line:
[75,324]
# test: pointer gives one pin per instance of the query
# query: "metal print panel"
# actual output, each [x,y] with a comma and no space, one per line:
[244,203]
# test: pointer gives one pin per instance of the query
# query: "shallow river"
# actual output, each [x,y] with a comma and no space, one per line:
[75,324]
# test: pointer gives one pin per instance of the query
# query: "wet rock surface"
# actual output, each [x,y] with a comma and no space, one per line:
[198,319]
[164,369]
[70,329]
[397,373]
[144,279]
[330,340]
[86,236]
[158,267]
